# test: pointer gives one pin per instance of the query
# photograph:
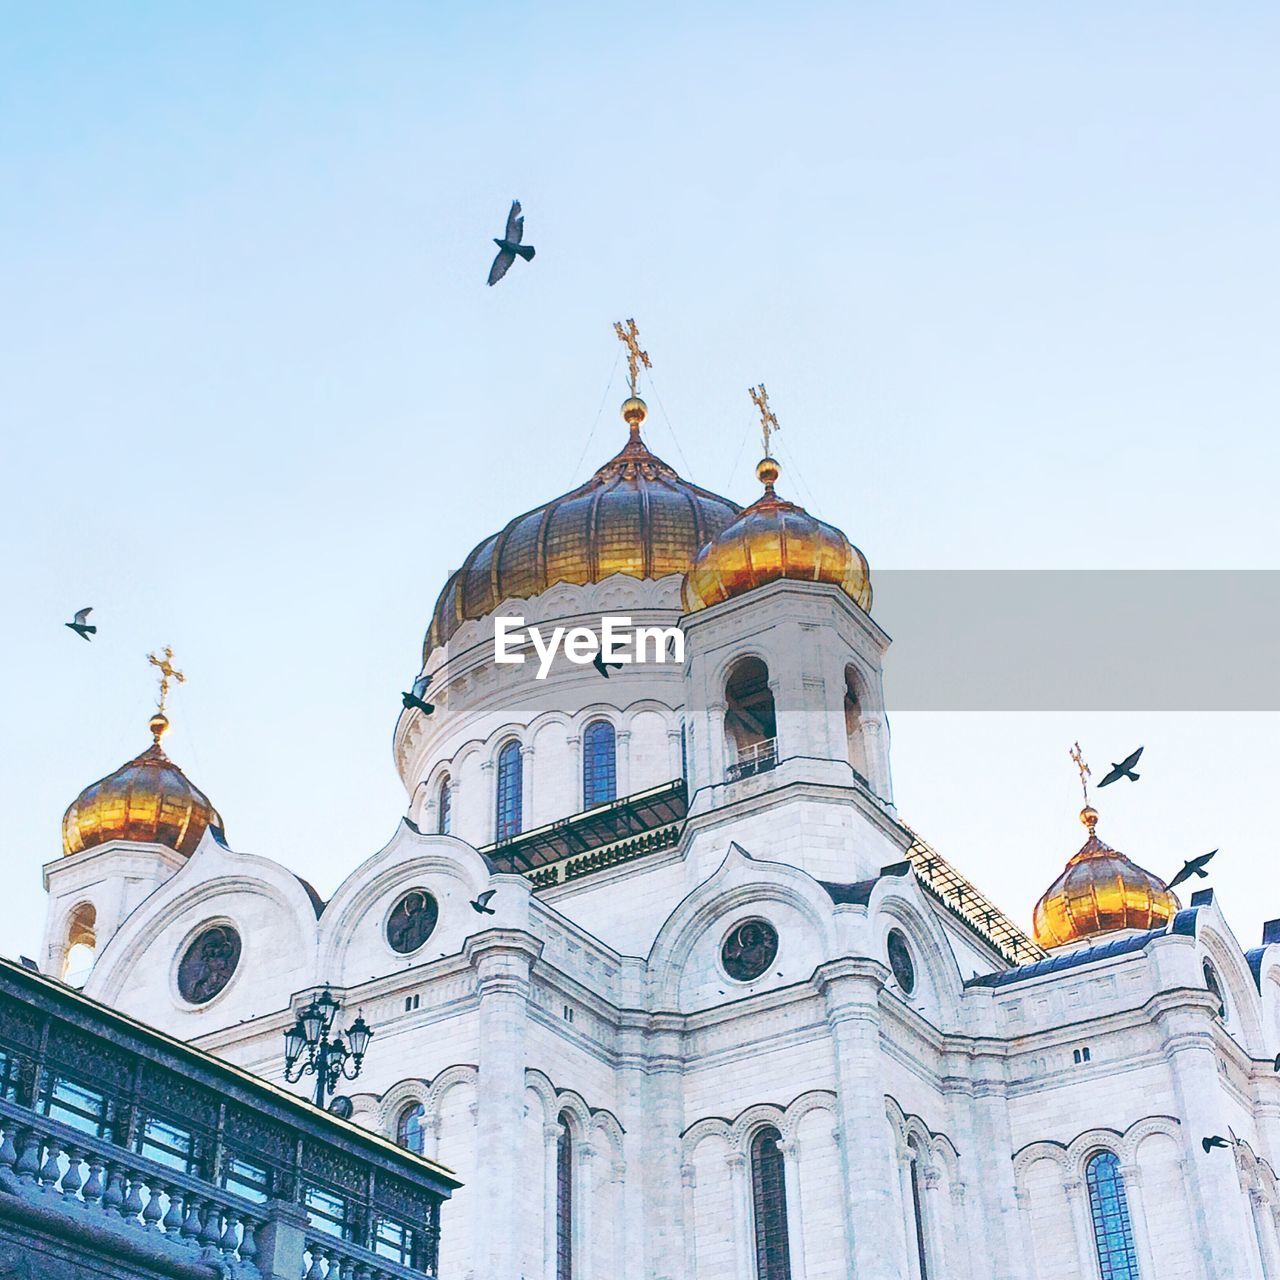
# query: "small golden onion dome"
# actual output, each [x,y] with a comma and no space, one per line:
[635,516]
[149,800]
[1100,891]
[775,539]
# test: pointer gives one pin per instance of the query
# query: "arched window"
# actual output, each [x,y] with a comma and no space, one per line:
[1112,1230]
[1215,989]
[857,746]
[917,1214]
[769,1207]
[409,1131]
[510,791]
[444,806]
[564,1201]
[599,764]
[750,725]
[81,945]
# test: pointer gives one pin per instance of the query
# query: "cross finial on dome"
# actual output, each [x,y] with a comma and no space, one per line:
[628,333]
[159,721]
[768,420]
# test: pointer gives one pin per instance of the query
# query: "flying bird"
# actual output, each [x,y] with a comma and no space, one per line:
[481,904]
[510,245]
[1123,770]
[82,628]
[1193,867]
[602,666]
[1209,1143]
[416,704]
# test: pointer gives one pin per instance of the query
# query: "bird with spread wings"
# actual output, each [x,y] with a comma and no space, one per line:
[510,244]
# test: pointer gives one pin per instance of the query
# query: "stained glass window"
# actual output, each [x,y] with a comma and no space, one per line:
[769,1205]
[1112,1230]
[444,807]
[510,792]
[599,764]
[564,1202]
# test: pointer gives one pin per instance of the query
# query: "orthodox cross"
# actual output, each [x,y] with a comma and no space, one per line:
[1085,772]
[768,423]
[167,672]
[629,334]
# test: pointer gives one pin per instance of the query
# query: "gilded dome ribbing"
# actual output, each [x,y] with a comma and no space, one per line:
[635,516]
[149,800]
[1100,891]
[775,539]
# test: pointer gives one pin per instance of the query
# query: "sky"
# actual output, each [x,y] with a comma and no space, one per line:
[1008,271]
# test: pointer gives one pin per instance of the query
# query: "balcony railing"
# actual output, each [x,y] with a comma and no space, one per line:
[757,758]
[116,1139]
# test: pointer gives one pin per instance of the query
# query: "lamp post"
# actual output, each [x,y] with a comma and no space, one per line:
[309,1047]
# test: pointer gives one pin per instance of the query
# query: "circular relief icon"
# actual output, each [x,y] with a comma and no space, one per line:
[904,969]
[749,950]
[412,921]
[208,963]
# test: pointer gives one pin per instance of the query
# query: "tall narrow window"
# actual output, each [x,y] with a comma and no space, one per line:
[510,791]
[1109,1207]
[917,1213]
[769,1202]
[599,764]
[564,1201]
[444,807]
[409,1127]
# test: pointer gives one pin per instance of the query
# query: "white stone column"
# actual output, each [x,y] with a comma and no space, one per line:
[617,1201]
[688,1187]
[1264,1227]
[526,787]
[790,1148]
[663,1222]
[622,761]
[740,1190]
[501,960]
[937,1221]
[550,1213]
[1131,1176]
[850,988]
[584,1198]
[715,746]
[1081,1225]
[431,1125]
[957,1246]
[1027,1231]
[673,753]
[906,1213]
[489,774]
[1219,1207]
[638,1139]
[574,742]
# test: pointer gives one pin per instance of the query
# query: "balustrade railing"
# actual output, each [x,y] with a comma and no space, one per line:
[124,1189]
[328,1258]
[756,758]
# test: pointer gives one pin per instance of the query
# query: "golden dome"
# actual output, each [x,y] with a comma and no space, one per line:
[1101,890]
[635,516]
[775,539]
[148,801]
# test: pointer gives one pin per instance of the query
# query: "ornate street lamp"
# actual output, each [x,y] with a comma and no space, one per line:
[309,1046]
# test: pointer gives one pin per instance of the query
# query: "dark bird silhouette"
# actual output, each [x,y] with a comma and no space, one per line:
[481,904]
[602,666]
[1277,1063]
[411,704]
[1123,770]
[510,245]
[1193,867]
[1209,1143]
[82,628]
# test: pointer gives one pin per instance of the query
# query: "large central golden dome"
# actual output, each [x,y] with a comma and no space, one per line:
[635,516]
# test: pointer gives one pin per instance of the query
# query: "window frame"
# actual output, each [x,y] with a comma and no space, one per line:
[509,790]
[770,1228]
[1117,1259]
[599,776]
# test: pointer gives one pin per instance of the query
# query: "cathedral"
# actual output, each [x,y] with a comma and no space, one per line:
[655,966]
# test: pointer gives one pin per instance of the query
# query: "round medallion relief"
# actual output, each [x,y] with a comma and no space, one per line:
[208,963]
[412,921]
[749,950]
[904,969]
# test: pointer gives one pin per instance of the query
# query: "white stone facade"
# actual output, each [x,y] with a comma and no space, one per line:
[601,1003]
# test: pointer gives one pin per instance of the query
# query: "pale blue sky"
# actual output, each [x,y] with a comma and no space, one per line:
[1009,272]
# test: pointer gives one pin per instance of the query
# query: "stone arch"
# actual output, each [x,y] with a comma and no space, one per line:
[78,943]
